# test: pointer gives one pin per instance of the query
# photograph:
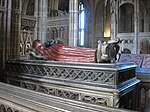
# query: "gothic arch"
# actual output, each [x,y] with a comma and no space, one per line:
[27,28]
[126,2]
[54,33]
[52,6]
[144,46]
[24,6]
[126,18]
[30,8]
[142,98]
[142,7]
[144,15]
[16,4]
[48,33]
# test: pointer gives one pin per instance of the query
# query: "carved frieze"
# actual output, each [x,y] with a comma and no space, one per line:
[98,100]
[58,22]
[104,77]
[143,96]
[95,100]
[23,100]
[127,41]
[27,22]
[5,108]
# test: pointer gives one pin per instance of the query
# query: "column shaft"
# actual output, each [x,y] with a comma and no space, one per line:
[15,28]
[8,35]
[136,27]
[113,20]
[41,15]
[73,22]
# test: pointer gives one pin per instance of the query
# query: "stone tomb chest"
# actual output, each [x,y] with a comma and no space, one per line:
[92,83]
[142,73]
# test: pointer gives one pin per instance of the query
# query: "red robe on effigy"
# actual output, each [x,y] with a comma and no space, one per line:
[61,52]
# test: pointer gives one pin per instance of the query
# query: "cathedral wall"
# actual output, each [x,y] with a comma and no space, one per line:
[99,23]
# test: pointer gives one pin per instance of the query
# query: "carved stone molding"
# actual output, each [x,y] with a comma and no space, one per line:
[104,77]
[7,107]
[91,74]
[4,108]
[16,11]
[31,101]
[144,93]
[3,9]
[29,23]
[87,98]
[127,41]
[121,2]
[95,100]
[58,22]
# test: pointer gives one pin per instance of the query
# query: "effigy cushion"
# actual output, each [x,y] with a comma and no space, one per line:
[136,58]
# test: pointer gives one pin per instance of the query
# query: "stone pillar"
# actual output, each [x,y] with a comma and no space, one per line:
[136,27]
[56,2]
[41,9]
[147,21]
[36,15]
[4,33]
[3,18]
[15,29]
[8,35]
[3,22]
[73,22]
[113,12]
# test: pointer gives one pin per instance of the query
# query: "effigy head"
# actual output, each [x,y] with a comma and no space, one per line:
[36,44]
[107,51]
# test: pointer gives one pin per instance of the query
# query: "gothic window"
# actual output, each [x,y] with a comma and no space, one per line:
[81,24]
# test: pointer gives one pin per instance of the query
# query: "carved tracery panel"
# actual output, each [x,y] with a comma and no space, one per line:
[61,32]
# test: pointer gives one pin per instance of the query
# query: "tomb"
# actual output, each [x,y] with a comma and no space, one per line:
[82,81]
[92,83]
[142,73]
